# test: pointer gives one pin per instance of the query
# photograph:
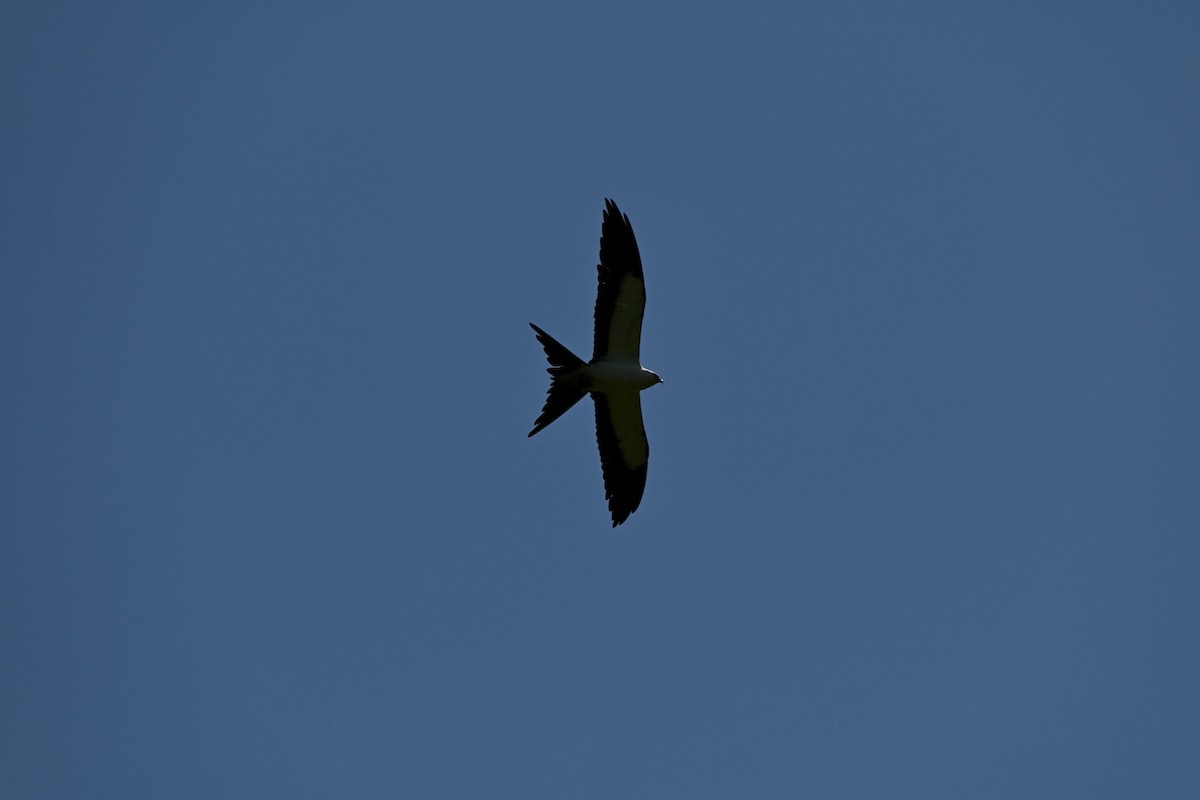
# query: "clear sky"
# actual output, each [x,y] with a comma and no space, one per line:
[924,495]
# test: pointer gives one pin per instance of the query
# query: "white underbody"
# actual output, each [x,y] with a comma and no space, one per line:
[613,376]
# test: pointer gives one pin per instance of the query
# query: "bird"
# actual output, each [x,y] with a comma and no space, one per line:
[615,376]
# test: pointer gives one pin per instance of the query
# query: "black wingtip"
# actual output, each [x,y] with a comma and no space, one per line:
[611,209]
[618,245]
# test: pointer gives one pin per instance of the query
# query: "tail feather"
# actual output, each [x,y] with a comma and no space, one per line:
[560,397]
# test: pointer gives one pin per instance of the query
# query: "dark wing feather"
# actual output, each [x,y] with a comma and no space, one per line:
[624,451]
[621,296]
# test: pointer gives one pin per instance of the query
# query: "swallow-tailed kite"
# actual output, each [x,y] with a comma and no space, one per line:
[615,375]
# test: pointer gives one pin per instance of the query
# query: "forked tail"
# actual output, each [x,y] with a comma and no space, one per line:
[560,396]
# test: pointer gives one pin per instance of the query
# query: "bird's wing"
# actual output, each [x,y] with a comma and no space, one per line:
[624,451]
[621,297]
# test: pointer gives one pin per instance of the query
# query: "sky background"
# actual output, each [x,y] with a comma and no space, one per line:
[924,494]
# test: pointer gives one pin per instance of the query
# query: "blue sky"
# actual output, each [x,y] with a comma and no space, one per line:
[922,510]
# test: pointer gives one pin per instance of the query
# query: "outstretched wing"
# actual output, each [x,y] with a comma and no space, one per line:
[624,451]
[621,297]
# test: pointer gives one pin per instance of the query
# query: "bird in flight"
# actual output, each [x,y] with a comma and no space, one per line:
[615,375]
